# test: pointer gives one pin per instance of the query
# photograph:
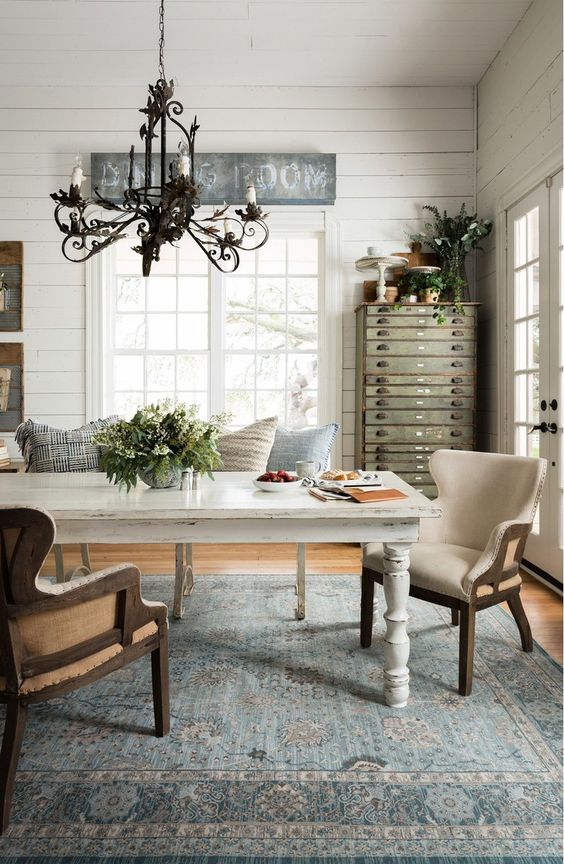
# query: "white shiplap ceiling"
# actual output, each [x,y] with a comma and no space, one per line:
[243,42]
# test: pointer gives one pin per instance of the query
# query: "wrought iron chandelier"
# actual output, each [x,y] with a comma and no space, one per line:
[164,212]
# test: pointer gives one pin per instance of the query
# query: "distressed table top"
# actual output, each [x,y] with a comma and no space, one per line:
[231,495]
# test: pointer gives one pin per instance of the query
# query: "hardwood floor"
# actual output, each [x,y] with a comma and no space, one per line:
[543,606]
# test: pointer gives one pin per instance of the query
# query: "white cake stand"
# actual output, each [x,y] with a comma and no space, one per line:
[381,263]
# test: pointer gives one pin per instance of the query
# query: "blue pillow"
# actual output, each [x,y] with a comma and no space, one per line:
[295,445]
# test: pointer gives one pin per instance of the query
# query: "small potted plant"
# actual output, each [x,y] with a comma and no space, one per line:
[452,238]
[158,443]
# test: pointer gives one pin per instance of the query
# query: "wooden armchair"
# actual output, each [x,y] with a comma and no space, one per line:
[469,558]
[60,637]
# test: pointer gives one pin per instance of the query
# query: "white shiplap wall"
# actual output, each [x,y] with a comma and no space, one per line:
[519,125]
[398,147]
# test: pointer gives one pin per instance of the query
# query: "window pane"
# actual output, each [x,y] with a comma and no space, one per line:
[270,403]
[534,398]
[239,293]
[126,404]
[271,331]
[240,371]
[520,398]
[130,294]
[302,371]
[271,294]
[128,373]
[533,234]
[271,371]
[520,441]
[302,295]
[160,372]
[192,372]
[302,255]
[161,332]
[302,331]
[241,404]
[239,332]
[195,398]
[520,235]
[161,294]
[533,339]
[272,257]
[302,408]
[520,281]
[193,331]
[193,294]
[130,331]
[533,288]
[521,345]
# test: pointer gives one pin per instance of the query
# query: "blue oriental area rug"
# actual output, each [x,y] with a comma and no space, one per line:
[282,751]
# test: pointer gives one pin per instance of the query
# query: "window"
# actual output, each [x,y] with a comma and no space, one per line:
[245,342]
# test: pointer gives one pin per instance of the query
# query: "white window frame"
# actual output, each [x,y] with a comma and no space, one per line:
[100,273]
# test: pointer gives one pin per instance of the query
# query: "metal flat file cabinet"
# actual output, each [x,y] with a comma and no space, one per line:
[415,387]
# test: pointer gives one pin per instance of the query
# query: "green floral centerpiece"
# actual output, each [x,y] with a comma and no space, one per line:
[158,443]
[452,238]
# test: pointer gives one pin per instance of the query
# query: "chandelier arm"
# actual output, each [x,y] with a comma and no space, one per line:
[224,257]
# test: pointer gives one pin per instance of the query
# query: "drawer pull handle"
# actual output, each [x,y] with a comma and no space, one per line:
[382,380]
[383,321]
[381,449]
[381,415]
[456,415]
[383,333]
[382,309]
[458,332]
[383,363]
[383,402]
[456,390]
[381,433]
[458,320]
[458,347]
[457,403]
[382,390]
[383,347]
[456,433]
[457,363]
[455,447]
[455,380]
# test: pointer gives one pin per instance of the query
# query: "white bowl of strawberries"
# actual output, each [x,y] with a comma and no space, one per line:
[278,481]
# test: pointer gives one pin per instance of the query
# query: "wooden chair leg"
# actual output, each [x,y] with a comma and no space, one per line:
[516,607]
[466,650]
[366,608]
[454,617]
[161,699]
[14,728]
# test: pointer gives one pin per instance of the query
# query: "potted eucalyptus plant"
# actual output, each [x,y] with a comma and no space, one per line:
[452,238]
[158,443]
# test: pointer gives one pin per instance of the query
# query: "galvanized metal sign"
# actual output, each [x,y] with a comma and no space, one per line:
[279,178]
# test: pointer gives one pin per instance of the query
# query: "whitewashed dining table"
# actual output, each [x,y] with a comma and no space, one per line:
[88,509]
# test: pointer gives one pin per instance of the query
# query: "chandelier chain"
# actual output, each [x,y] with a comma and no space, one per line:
[161,41]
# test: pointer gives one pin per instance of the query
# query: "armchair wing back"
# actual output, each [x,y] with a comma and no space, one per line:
[55,638]
[478,491]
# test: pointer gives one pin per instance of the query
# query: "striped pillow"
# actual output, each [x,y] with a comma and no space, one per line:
[248,448]
[45,448]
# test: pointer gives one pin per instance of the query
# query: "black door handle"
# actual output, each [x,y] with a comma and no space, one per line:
[552,428]
[541,427]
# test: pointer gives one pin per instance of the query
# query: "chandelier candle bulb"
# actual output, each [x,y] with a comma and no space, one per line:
[77,176]
[251,194]
[227,226]
[183,162]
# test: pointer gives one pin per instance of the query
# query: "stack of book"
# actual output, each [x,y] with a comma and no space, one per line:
[4,458]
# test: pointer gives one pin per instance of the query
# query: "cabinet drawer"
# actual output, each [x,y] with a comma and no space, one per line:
[414,314]
[407,416]
[389,462]
[391,365]
[389,452]
[418,402]
[430,491]
[408,434]
[419,347]
[415,478]
[461,384]
[412,334]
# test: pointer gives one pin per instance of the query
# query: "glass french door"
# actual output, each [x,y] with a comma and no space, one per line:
[534,361]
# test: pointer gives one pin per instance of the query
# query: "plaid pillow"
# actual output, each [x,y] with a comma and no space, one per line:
[45,448]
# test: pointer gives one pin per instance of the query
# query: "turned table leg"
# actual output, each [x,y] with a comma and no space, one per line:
[183,577]
[300,580]
[396,644]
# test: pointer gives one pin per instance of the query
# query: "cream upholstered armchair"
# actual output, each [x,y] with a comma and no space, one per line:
[469,558]
[57,638]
